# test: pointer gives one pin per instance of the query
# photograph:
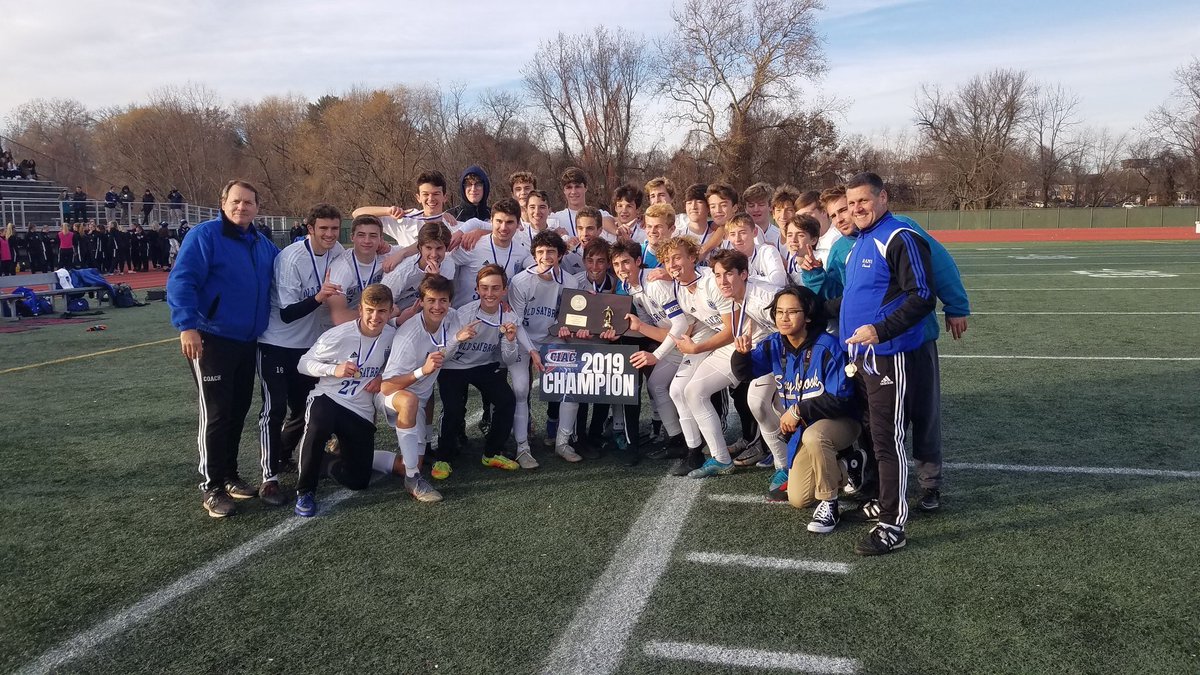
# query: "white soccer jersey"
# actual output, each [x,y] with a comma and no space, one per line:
[347,343]
[413,344]
[572,262]
[298,275]
[700,238]
[826,242]
[702,301]
[771,237]
[766,266]
[566,220]
[791,265]
[408,275]
[353,276]
[488,345]
[607,285]
[535,300]
[757,303]
[514,259]
[655,300]
[404,230]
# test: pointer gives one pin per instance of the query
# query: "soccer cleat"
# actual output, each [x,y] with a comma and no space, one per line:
[693,460]
[588,447]
[739,446]
[825,517]
[306,505]
[271,494]
[712,467]
[870,509]
[568,453]
[526,460]
[880,540]
[777,490]
[238,489]
[752,455]
[931,499]
[674,448]
[499,461]
[441,470]
[854,463]
[551,431]
[421,490]
[767,462]
[218,503]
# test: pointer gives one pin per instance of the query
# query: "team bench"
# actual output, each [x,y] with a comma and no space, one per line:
[47,279]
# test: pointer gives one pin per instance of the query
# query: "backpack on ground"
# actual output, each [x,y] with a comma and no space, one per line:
[123,297]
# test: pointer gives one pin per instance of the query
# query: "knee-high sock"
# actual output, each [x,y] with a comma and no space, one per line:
[702,385]
[520,387]
[762,399]
[566,422]
[411,449]
[384,462]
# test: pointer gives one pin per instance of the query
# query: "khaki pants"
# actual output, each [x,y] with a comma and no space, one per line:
[815,474]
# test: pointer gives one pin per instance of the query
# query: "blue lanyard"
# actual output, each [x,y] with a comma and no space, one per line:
[358,274]
[363,360]
[496,258]
[313,258]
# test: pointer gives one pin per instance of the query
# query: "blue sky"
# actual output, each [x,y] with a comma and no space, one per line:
[1118,57]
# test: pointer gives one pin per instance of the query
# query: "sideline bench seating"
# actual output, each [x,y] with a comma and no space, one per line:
[48,279]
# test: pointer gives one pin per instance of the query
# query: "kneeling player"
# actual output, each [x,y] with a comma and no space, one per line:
[418,352]
[820,414]
[348,359]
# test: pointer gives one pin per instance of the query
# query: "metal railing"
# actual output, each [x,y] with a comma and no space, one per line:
[27,213]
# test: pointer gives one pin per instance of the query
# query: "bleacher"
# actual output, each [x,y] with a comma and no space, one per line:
[30,202]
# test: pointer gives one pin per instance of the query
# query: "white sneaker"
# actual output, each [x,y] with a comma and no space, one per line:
[568,453]
[526,460]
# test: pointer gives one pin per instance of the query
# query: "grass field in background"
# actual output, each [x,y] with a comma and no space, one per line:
[1019,572]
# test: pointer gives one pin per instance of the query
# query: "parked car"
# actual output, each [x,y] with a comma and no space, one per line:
[1130,205]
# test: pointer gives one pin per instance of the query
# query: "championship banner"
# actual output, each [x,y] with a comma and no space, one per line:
[589,373]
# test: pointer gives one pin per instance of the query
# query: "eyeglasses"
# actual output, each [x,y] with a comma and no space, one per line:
[788,313]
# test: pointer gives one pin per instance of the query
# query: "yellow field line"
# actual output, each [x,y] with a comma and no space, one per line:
[88,356]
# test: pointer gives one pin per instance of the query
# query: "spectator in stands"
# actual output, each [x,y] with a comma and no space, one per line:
[9,169]
[79,200]
[66,208]
[66,246]
[147,206]
[265,230]
[297,232]
[112,202]
[29,169]
[182,231]
[126,203]
[175,199]
[7,267]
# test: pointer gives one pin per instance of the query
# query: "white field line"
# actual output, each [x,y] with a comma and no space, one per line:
[1094,470]
[1083,313]
[744,499]
[1010,357]
[763,562]
[1073,290]
[596,639]
[148,606]
[1067,274]
[1074,262]
[758,659]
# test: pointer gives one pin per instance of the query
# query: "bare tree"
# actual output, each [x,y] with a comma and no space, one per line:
[504,110]
[1096,168]
[1049,126]
[588,87]
[58,132]
[972,132]
[271,132]
[1176,123]
[729,61]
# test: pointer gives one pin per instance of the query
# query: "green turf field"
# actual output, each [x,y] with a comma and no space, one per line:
[1021,571]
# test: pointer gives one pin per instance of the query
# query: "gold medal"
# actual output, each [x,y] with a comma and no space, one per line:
[851,370]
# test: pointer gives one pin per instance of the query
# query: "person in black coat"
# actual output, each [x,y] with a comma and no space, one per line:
[136,239]
[39,255]
[79,199]
[150,248]
[164,245]
[126,203]
[120,249]
[147,206]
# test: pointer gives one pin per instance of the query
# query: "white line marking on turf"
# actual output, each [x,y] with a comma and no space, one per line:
[1082,313]
[1074,275]
[743,499]
[1069,358]
[761,659]
[1098,470]
[764,562]
[596,639]
[143,609]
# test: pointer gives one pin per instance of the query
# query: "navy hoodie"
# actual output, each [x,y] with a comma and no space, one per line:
[467,210]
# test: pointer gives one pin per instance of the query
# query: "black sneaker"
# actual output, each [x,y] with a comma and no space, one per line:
[931,499]
[218,504]
[589,446]
[239,489]
[753,454]
[880,540]
[856,463]
[870,509]
[694,460]
[825,517]
[674,448]
[271,494]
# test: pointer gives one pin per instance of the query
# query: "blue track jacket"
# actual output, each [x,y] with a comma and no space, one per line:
[221,282]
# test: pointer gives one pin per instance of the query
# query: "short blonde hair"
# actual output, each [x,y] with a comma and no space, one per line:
[660,210]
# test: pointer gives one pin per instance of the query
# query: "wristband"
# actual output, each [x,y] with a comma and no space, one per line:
[796,414]
[418,373]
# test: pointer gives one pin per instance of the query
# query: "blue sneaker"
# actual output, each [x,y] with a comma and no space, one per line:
[712,467]
[306,505]
[551,431]
[777,490]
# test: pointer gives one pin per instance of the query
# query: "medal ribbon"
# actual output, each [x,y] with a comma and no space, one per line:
[358,274]
[313,258]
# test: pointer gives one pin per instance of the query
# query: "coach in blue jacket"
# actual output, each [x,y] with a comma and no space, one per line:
[890,290]
[219,295]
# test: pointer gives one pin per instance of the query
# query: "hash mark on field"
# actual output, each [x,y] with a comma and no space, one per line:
[751,658]
[1094,470]
[743,499]
[764,562]
[148,606]
[596,639]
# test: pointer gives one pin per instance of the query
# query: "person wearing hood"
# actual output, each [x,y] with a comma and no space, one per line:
[475,188]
